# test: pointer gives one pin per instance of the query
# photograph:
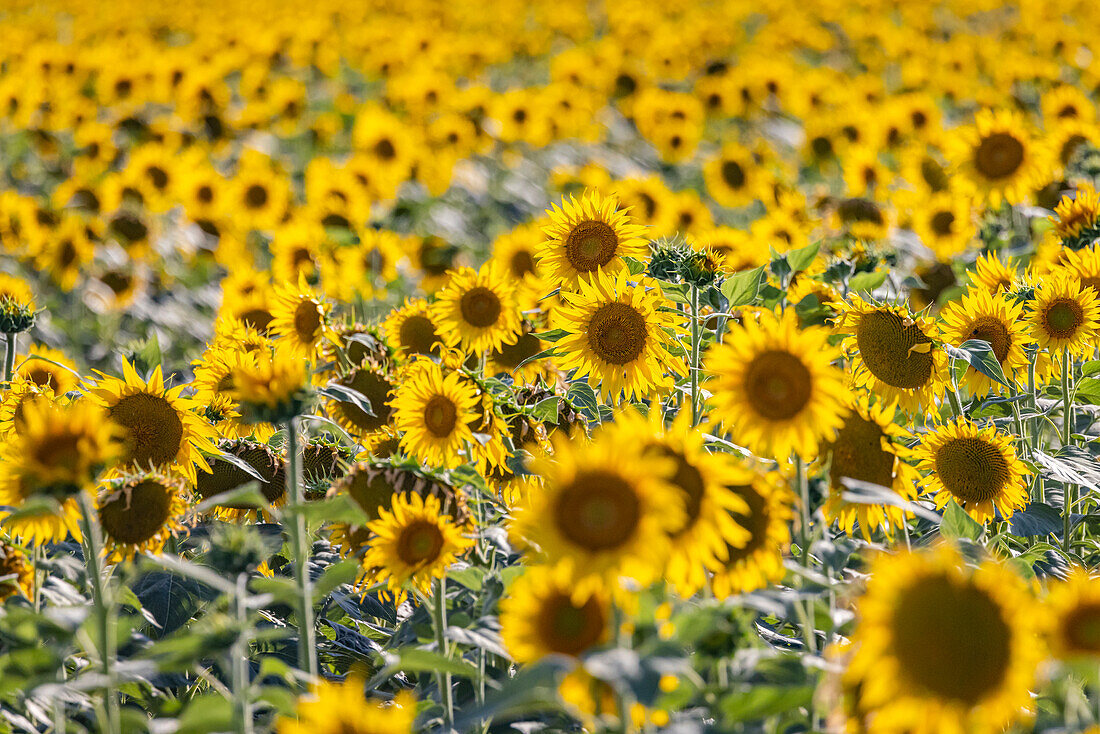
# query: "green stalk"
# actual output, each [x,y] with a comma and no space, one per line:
[1067,431]
[93,550]
[9,356]
[439,621]
[805,537]
[242,694]
[695,348]
[299,536]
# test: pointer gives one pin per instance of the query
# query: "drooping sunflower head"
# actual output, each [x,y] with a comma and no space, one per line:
[944,644]
[543,614]
[893,353]
[434,412]
[300,319]
[372,485]
[976,467]
[996,320]
[1064,316]
[16,305]
[140,515]
[226,475]
[758,560]
[272,388]
[1073,619]
[606,510]
[340,708]
[586,235]
[412,329]
[869,448]
[776,386]
[16,572]
[618,336]
[163,430]
[414,543]
[477,311]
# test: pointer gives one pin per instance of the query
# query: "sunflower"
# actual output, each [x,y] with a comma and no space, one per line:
[509,359]
[733,178]
[226,475]
[1075,218]
[758,561]
[993,274]
[976,467]
[515,254]
[57,452]
[141,514]
[272,388]
[412,329]
[870,448]
[1064,316]
[587,235]
[892,352]
[543,614]
[710,520]
[17,308]
[300,319]
[48,368]
[373,485]
[996,320]
[945,223]
[775,387]
[414,543]
[434,411]
[618,336]
[606,510]
[477,310]
[941,647]
[373,385]
[999,157]
[163,430]
[17,574]
[339,708]
[213,386]
[1073,616]
[20,391]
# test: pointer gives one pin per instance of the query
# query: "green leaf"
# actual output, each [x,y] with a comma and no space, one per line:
[551,352]
[345,394]
[1088,391]
[1088,369]
[803,257]
[865,282]
[335,576]
[741,289]
[1036,519]
[957,524]
[206,713]
[634,266]
[979,355]
[759,701]
[551,336]
[419,660]
[546,411]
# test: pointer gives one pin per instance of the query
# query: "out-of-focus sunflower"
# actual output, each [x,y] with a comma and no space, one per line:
[976,467]
[434,411]
[758,561]
[271,389]
[13,400]
[544,614]
[17,574]
[606,510]
[870,448]
[945,223]
[213,385]
[226,476]
[999,322]
[775,386]
[892,353]
[340,708]
[994,274]
[17,309]
[141,514]
[618,336]
[47,368]
[943,647]
[163,430]
[1064,316]
[300,319]
[477,310]
[412,329]
[414,543]
[1072,619]
[1075,217]
[999,157]
[508,358]
[587,235]
[57,452]
[733,178]
[711,508]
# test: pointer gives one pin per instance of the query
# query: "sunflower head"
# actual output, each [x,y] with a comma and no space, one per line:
[434,411]
[300,317]
[1063,316]
[1073,622]
[17,309]
[1076,217]
[477,311]
[273,388]
[335,708]
[372,485]
[412,329]
[140,514]
[586,235]
[16,572]
[996,320]
[543,614]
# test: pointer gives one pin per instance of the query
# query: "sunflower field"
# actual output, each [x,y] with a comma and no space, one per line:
[549,366]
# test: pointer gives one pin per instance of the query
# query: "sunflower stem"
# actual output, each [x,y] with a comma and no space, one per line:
[956,406]
[10,341]
[695,346]
[1067,432]
[37,560]
[93,550]
[307,635]
[242,694]
[439,614]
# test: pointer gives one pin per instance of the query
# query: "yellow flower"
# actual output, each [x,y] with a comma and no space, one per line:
[414,543]
[141,514]
[271,389]
[17,574]
[943,648]
[543,614]
[1077,214]
[412,329]
[1064,316]
[477,310]
[340,708]
[999,157]
[1072,616]
[775,387]
[999,322]
[299,319]
[976,467]
[434,413]
[587,235]
[48,368]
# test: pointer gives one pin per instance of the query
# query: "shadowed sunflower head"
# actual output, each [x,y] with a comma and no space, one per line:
[413,330]
[16,572]
[340,708]
[139,515]
[544,615]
